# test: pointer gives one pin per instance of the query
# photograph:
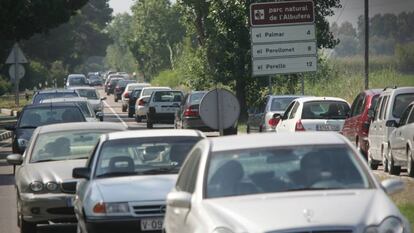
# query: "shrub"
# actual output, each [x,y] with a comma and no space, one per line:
[405,57]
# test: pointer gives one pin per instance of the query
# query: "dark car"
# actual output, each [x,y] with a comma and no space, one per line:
[187,117]
[54,93]
[95,81]
[110,88]
[356,126]
[120,88]
[33,116]
[133,97]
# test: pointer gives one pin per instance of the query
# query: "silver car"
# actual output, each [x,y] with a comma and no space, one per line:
[92,94]
[52,153]
[127,179]
[307,182]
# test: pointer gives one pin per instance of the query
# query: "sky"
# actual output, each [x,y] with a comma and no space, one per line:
[121,6]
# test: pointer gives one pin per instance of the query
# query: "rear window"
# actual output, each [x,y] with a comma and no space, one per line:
[45,96]
[74,81]
[280,104]
[35,117]
[401,102]
[168,96]
[136,93]
[196,98]
[325,110]
[148,92]
[88,93]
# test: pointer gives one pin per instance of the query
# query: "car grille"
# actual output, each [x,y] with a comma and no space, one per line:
[149,210]
[61,210]
[68,187]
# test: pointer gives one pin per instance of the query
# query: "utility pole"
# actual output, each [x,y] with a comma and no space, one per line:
[366,16]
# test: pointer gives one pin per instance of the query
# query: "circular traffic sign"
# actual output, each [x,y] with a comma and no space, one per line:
[219,107]
[20,71]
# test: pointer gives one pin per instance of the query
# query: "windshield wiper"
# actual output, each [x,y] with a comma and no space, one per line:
[114,174]
[45,160]
[161,170]
[28,127]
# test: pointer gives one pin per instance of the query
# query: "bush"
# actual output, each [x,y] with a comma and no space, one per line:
[405,57]
[5,86]
[36,74]
[169,78]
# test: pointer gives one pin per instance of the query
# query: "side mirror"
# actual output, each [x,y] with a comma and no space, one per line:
[100,116]
[392,186]
[179,200]
[391,123]
[15,159]
[10,127]
[103,98]
[81,173]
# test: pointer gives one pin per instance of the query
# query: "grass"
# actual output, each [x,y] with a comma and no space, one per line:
[241,128]
[408,211]
[9,102]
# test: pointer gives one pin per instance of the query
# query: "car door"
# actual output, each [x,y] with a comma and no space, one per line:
[399,136]
[350,128]
[374,136]
[288,119]
[180,111]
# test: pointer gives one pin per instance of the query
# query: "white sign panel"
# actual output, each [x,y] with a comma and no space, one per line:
[286,49]
[284,65]
[20,72]
[283,33]
[16,56]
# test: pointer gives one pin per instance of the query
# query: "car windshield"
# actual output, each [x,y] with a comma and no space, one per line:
[273,170]
[136,93]
[280,104]
[124,83]
[142,156]
[148,92]
[325,110]
[88,93]
[168,96]
[401,102]
[44,96]
[196,98]
[77,81]
[85,108]
[65,145]
[34,117]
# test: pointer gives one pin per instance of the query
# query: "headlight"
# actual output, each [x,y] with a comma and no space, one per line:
[222,230]
[389,225]
[36,186]
[117,208]
[52,186]
[22,142]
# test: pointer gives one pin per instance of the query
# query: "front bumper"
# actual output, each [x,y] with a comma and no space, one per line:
[116,224]
[47,207]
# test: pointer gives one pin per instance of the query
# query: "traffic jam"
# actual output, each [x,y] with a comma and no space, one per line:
[110,153]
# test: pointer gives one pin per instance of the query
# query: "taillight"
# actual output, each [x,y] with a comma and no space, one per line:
[273,122]
[141,102]
[191,112]
[299,126]
[126,95]
[99,208]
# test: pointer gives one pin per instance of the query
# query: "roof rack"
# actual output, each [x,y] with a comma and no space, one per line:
[392,87]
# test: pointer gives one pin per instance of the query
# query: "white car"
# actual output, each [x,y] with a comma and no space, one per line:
[287,182]
[125,95]
[93,97]
[141,106]
[74,80]
[128,178]
[83,104]
[162,107]
[401,143]
[314,114]
[390,105]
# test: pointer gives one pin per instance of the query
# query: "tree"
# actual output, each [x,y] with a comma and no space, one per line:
[347,35]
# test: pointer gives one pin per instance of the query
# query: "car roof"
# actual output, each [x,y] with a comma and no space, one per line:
[373,91]
[154,133]
[76,75]
[398,90]
[56,91]
[82,88]
[65,100]
[263,140]
[49,105]
[287,96]
[139,84]
[81,126]
[307,99]
[146,88]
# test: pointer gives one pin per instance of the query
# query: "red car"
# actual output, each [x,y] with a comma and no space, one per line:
[356,126]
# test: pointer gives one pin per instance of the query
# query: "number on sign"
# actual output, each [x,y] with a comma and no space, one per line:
[309,64]
[308,33]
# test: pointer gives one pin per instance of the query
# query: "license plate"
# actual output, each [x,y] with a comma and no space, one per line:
[327,127]
[151,224]
[69,201]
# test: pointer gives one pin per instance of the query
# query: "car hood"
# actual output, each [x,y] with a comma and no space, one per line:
[264,213]
[136,188]
[94,102]
[51,171]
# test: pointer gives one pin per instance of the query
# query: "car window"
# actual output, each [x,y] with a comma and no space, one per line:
[35,117]
[262,105]
[384,109]
[405,115]
[288,109]
[294,110]
[65,145]
[136,93]
[44,96]
[280,104]
[88,93]
[196,98]
[148,92]
[93,154]
[271,170]
[400,103]
[85,109]
[143,156]
[358,105]
[186,182]
[325,110]
[378,107]
[77,81]
[167,96]
[411,118]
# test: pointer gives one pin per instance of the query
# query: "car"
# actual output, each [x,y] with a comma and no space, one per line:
[187,116]
[35,115]
[141,106]
[111,82]
[95,80]
[162,106]
[390,106]
[93,97]
[120,88]
[287,182]
[263,118]
[53,93]
[125,183]
[133,97]
[82,103]
[42,196]
[356,126]
[127,91]
[314,114]
[401,143]
[74,80]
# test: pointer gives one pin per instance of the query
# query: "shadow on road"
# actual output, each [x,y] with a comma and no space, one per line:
[6,179]
[64,228]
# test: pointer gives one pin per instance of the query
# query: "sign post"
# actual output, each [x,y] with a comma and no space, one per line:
[16,70]
[283,37]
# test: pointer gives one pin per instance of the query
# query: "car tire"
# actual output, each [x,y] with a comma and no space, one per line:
[124,108]
[138,118]
[358,146]
[248,129]
[27,227]
[393,170]
[410,163]
[385,161]
[149,125]
[130,114]
[230,131]
[372,164]
[115,99]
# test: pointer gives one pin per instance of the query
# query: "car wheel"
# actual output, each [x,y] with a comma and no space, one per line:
[248,129]
[124,109]
[384,161]
[149,125]
[230,131]
[358,146]
[138,118]
[27,227]
[372,164]
[130,114]
[410,163]
[115,99]
[393,170]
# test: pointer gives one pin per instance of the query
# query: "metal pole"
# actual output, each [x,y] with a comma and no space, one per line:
[366,16]
[219,111]
[270,85]
[16,77]
[302,85]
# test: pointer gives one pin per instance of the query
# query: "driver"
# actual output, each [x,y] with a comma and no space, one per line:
[311,166]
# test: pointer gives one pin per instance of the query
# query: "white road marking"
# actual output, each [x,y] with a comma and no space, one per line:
[116,114]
